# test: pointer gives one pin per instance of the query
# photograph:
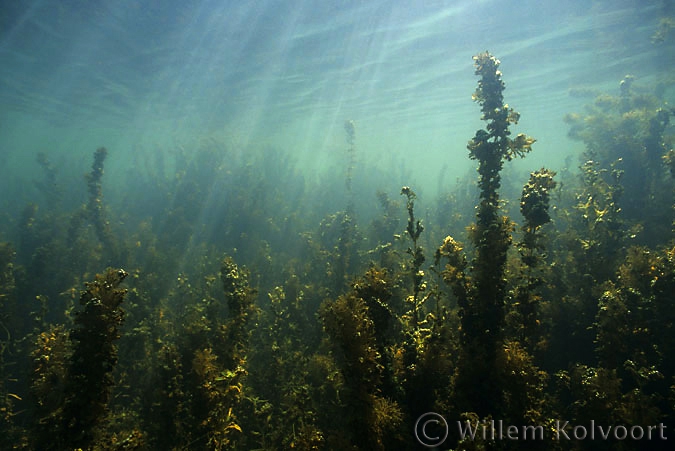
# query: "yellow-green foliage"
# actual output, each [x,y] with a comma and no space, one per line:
[219,361]
[73,374]
[338,352]
[534,202]
[634,320]
[600,211]
[285,392]
[597,395]
[454,272]
[414,230]
[240,299]
[482,300]
[351,330]
[524,401]
[534,206]
[220,391]
[51,357]
[627,143]
[347,321]
[97,327]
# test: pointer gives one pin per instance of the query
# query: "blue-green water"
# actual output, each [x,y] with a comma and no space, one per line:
[259,225]
[135,76]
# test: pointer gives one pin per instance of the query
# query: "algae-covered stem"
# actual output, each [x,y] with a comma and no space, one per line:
[482,306]
[491,234]
[414,230]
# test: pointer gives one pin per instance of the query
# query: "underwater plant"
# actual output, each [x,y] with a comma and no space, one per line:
[632,327]
[352,322]
[534,206]
[481,296]
[285,400]
[624,198]
[73,375]
[627,140]
[203,366]
[414,230]
[8,346]
[357,333]
[93,211]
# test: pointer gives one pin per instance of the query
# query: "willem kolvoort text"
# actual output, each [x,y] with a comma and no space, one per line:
[562,430]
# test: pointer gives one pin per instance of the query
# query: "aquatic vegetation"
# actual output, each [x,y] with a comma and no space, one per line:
[343,331]
[8,311]
[73,377]
[534,206]
[632,315]
[627,143]
[349,322]
[334,247]
[623,181]
[481,300]
[414,230]
[283,381]
[220,369]
[51,358]
[93,212]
